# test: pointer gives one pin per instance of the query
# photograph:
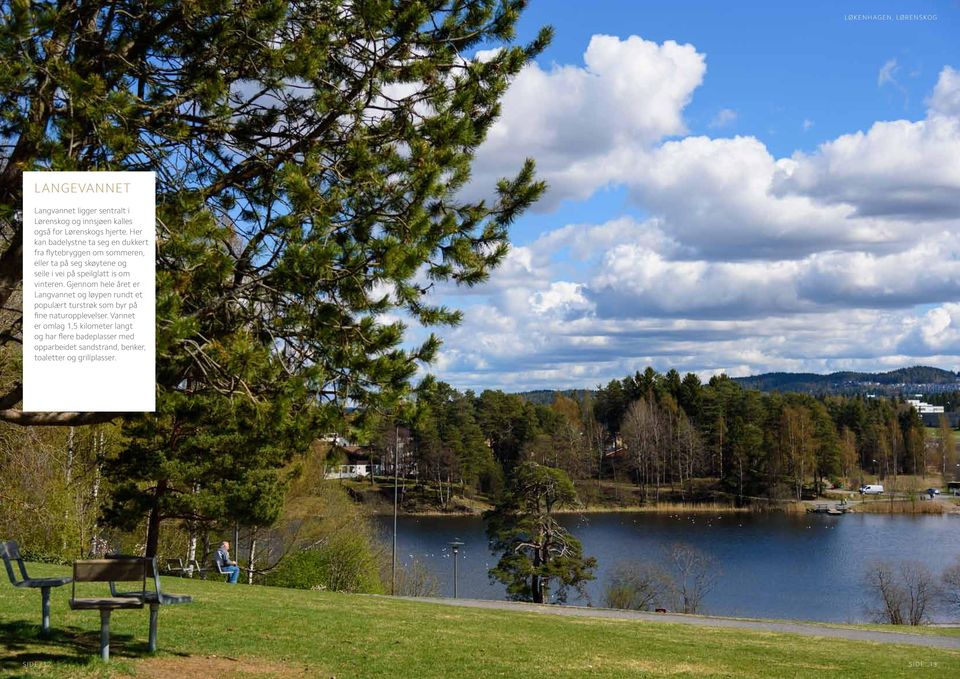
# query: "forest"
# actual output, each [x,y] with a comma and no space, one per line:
[666,434]
[663,437]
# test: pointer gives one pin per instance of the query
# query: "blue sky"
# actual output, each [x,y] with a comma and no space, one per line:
[735,187]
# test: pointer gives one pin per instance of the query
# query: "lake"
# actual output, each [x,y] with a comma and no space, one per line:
[807,566]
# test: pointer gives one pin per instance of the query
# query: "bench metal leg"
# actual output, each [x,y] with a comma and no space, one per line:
[154,612]
[45,610]
[105,634]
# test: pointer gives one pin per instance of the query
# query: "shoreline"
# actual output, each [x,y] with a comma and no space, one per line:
[599,509]
[900,509]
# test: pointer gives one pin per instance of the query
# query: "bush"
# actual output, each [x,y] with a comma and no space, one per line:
[343,563]
[694,575]
[415,579]
[902,593]
[951,586]
[636,585]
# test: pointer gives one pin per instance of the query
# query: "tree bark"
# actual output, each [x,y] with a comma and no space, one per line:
[253,555]
[153,522]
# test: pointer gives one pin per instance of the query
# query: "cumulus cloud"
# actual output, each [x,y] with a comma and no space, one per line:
[589,351]
[845,257]
[899,168]
[585,242]
[636,281]
[583,124]
[928,272]
[945,100]
[714,196]
[936,332]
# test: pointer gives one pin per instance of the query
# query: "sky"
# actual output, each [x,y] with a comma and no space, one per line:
[734,187]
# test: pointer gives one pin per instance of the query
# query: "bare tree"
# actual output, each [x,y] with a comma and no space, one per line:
[694,575]
[902,593]
[646,434]
[797,427]
[415,579]
[636,585]
[950,583]
[690,450]
[848,454]
[946,447]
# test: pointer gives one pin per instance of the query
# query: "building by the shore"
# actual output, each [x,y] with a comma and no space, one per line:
[931,414]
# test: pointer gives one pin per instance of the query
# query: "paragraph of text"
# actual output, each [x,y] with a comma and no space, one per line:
[89,300]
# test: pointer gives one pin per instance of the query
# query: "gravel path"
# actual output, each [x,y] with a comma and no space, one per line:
[806,629]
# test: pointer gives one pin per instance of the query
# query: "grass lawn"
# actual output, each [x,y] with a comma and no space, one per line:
[267,632]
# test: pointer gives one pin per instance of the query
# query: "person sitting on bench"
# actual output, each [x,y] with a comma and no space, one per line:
[225,565]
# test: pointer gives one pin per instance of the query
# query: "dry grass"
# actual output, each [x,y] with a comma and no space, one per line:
[901,507]
[671,508]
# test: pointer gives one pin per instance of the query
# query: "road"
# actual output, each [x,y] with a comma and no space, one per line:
[786,627]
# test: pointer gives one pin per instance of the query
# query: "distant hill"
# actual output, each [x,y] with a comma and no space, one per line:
[921,379]
[918,379]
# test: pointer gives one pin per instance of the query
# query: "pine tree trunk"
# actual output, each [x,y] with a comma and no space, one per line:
[153,522]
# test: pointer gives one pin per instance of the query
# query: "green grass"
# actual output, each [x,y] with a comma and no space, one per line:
[260,631]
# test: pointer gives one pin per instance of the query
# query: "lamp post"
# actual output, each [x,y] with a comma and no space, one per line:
[396,483]
[455,546]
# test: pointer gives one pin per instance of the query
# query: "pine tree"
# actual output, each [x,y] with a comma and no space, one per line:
[310,160]
[538,555]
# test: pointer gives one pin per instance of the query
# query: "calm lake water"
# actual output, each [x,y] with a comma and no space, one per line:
[772,565]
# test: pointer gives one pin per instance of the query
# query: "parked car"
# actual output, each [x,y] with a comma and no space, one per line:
[871,489]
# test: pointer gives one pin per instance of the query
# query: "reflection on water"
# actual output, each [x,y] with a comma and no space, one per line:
[772,565]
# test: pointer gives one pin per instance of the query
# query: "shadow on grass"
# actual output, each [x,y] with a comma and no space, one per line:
[22,645]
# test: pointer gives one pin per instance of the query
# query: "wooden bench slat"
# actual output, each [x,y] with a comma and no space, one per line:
[106,570]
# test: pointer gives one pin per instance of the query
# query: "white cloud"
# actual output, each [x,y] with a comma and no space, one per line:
[723,118]
[590,351]
[936,332]
[713,196]
[945,100]
[897,169]
[846,257]
[583,124]
[560,299]
[886,74]
[636,281]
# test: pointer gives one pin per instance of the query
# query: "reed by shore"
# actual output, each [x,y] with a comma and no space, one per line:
[907,506]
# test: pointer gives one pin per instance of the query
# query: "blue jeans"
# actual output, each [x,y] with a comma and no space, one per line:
[234,572]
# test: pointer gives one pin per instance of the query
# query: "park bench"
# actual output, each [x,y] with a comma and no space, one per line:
[11,553]
[174,567]
[110,571]
[154,598]
[217,566]
[193,566]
